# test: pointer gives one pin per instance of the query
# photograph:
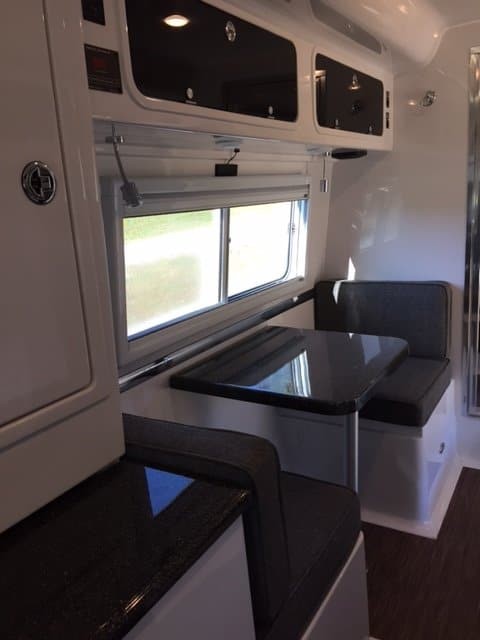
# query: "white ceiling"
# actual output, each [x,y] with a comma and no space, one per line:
[458,11]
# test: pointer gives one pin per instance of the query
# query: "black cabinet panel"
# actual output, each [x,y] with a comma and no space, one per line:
[347,99]
[216,60]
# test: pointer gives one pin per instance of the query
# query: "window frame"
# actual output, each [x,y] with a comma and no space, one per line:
[175,195]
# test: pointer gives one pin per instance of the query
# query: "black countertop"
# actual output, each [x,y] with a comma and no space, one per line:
[308,370]
[92,563]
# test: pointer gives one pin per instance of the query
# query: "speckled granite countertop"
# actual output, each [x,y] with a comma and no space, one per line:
[92,563]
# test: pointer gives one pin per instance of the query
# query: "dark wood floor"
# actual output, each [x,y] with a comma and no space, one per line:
[421,589]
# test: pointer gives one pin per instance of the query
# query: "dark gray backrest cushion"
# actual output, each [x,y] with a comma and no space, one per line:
[237,459]
[418,312]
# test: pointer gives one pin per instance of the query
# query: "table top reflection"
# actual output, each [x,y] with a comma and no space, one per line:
[307,370]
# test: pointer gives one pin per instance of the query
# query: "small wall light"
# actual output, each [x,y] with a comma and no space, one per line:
[429,98]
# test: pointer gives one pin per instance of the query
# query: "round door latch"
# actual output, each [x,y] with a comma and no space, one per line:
[38,182]
[230,31]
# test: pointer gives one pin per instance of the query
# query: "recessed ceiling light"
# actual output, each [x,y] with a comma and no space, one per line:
[176,20]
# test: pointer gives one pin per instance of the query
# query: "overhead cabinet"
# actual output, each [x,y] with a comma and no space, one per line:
[214,60]
[348,99]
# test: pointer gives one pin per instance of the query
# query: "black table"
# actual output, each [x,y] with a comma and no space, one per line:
[320,372]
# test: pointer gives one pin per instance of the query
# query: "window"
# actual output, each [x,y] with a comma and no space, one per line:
[199,245]
[176,264]
[259,245]
[172,265]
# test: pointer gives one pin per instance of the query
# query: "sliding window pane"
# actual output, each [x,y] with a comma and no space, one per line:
[172,267]
[259,245]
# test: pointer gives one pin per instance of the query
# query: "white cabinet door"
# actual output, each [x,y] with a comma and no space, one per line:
[43,347]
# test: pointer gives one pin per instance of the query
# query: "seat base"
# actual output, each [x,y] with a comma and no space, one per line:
[407,475]
[431,527]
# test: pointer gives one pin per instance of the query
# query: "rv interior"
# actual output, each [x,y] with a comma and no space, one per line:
[240,257]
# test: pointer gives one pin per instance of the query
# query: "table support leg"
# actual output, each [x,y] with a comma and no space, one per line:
[351,450]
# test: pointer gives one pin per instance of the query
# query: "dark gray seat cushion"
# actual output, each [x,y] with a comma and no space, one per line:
[410,394]
[323,525]
[240,460]
[418,312]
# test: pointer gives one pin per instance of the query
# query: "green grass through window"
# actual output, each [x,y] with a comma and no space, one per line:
[143,227]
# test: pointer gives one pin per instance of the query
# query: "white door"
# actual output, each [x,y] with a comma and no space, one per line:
[43,347]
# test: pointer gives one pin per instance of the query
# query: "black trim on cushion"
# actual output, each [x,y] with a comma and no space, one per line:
[410,394]
[418,312]
[240,460]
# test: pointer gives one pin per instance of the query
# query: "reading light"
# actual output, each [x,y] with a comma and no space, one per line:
[176,20]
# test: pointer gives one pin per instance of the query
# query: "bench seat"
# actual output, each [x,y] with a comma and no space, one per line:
[408,463]
[299,532]
[410,394]
[418,312]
